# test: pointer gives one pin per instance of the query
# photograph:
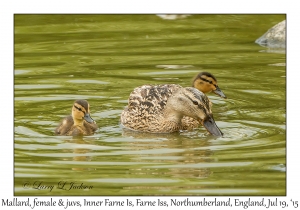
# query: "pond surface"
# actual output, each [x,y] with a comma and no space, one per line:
[102,58]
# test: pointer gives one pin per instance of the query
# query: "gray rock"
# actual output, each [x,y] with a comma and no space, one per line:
[275,37]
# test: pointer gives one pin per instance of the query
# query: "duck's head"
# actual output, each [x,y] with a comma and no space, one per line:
[194,103]
[206,82]
[81,112]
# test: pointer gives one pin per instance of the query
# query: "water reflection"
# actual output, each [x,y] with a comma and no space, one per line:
[80,151]
[100,58]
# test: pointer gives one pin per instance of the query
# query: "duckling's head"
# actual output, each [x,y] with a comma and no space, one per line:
[81,112]
[206,82]
[193,103]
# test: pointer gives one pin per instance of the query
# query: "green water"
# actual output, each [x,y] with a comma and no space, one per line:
[102,58]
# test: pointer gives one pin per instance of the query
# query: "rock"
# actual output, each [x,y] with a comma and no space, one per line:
[275,37]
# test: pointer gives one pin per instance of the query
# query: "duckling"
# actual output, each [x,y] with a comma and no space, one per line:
[206,82]
[160,109]
[79,123]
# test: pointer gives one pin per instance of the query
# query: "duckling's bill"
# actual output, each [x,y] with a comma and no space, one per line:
[88,118]
[211,126]
[219,92]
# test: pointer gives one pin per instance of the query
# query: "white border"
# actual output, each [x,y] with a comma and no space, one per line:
[8,8]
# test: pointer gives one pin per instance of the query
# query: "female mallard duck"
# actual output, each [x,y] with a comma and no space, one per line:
[79,123]
[206,82]
[160,109]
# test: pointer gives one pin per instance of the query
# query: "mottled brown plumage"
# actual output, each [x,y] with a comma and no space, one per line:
[79,123]
[160,109]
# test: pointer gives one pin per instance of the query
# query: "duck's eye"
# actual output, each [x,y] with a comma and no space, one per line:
[195,102]
[78,108]
[206,80]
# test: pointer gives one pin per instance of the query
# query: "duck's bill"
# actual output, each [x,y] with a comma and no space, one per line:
[88,118]
[211,126]
[219,92]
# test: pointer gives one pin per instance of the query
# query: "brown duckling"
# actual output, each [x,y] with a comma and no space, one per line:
[160,109]
[79,123]
[206,82]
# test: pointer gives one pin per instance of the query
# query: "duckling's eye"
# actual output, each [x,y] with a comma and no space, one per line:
[196,103]
[79,109]
[206,80]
